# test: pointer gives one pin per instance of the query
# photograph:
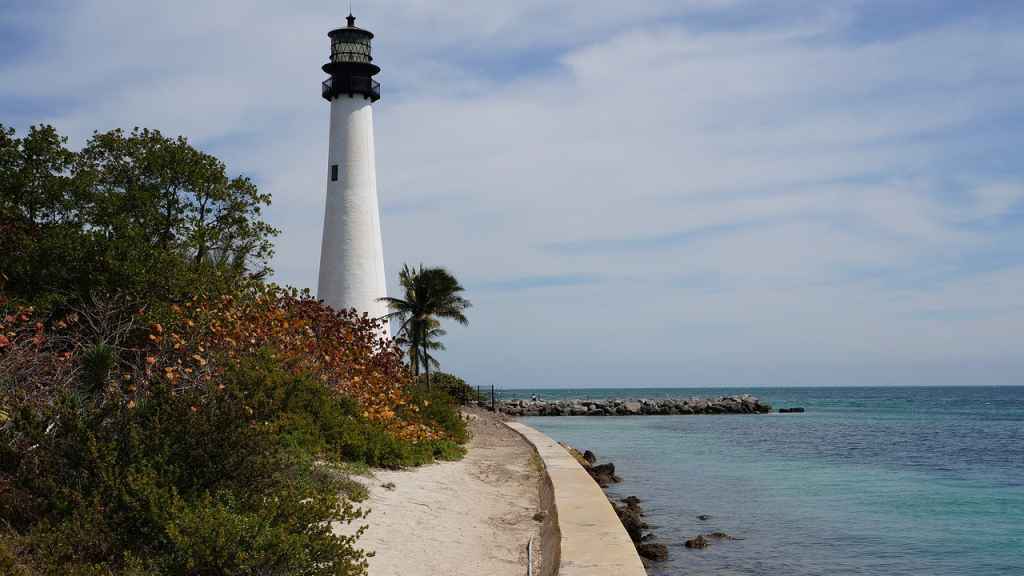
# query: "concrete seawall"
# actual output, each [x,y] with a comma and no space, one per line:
[583,536]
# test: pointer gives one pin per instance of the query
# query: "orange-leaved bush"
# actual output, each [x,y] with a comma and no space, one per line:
[346,351]
[190,345]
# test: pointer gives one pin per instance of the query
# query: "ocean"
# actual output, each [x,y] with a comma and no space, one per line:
[869,481]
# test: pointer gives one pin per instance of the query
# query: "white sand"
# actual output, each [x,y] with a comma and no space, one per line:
[471,517]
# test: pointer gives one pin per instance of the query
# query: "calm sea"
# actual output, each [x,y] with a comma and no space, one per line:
[869,481]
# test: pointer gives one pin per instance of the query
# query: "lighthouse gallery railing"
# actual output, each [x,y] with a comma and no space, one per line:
[336,85]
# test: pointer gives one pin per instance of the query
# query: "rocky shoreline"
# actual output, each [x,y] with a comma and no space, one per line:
[629,511]
[631,514]
[743,404]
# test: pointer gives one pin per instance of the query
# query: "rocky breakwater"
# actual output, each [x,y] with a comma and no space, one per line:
[743,404]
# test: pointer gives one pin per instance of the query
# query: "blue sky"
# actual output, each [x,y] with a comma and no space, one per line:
[664,193]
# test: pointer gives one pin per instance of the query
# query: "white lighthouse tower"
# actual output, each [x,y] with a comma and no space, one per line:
[352,252]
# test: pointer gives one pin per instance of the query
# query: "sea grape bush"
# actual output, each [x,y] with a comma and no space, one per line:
[150,439]
[190,345]
[344,350]
[185,438]
[187,482]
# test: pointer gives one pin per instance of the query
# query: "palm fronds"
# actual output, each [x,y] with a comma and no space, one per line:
[430,294]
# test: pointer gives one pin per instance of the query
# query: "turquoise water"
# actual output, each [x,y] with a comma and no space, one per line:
[869,481]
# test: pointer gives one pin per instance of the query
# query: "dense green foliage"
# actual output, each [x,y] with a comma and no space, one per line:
[439,407]
[135,213]
[430,294]
[200,482]
[310,417]
[456,388]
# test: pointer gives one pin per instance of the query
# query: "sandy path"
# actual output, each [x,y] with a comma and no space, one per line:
[471,517]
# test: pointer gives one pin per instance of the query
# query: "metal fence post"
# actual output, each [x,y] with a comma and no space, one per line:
[529,557]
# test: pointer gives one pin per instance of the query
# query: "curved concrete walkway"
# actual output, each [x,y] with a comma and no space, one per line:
[592,541]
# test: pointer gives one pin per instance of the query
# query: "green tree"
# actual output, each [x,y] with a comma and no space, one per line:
[430,294]
[419,355]
[137,212]
[38,218]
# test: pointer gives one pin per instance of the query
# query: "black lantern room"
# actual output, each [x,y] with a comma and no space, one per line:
[351,66]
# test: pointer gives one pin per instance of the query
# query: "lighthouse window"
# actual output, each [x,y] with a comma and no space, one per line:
[350,48]
[334,172]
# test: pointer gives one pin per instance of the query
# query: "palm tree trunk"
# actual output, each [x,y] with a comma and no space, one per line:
[426,363]
[414,351]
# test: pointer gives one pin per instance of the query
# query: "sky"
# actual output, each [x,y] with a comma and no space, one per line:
[651,193]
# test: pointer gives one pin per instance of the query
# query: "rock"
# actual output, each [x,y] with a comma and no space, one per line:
[730,406]
[651,551]
[604,474]
[589,457]
[796,410]
[632,522]
[630,500]
[741,404]
[704,517]
[635,508]
[698,542]
[719,536]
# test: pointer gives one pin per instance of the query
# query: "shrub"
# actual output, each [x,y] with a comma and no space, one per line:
[191,345]
[343,350]
[435,407]
[306,415]
[219,477]
[456,387]
[178,483]
[10,565]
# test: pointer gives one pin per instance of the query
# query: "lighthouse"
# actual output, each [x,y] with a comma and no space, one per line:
[352,251]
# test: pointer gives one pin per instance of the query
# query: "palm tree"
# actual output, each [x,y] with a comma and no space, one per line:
[419,355]
[431,294]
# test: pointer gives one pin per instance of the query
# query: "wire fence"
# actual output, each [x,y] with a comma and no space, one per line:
[488,397]
[491,397]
